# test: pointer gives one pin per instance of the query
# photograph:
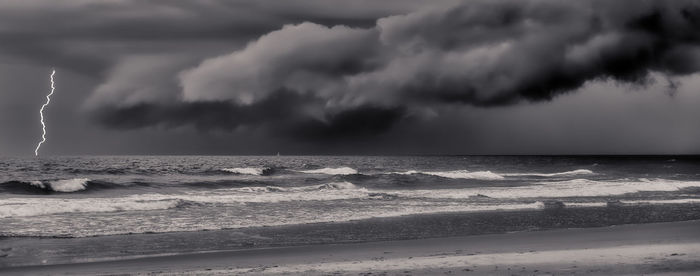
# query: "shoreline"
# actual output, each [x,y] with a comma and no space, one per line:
[27,251]
[634,248]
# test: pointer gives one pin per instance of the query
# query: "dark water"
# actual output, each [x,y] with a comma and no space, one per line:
[87,196]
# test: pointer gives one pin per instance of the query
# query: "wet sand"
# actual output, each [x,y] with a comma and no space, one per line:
[656,248]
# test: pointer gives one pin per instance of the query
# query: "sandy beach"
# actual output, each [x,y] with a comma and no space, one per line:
[671,248]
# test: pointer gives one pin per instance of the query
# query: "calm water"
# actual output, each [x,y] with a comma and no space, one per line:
[87,196]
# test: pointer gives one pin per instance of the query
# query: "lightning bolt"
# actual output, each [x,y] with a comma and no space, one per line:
[41,113]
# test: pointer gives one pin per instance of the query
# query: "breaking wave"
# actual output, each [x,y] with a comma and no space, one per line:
[488,175]
[49,186]
[64,186]
[72,185]
[567,173]
[337,186]
[331,171]
[248,170]
[458,174]
[327,186]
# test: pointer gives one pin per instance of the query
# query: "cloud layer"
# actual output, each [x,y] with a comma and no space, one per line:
[324,82]
[480,52]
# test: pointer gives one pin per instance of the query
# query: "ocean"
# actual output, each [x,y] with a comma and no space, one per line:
[110,195]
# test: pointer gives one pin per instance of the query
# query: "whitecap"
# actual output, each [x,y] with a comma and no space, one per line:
[247,170]
[275,189]
[338,186]
[567,173]
[458,174]
[64,185]
[332,171]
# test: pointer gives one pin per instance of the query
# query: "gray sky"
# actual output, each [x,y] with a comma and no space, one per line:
[351,77]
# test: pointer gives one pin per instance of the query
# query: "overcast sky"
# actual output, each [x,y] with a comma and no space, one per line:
[351,77]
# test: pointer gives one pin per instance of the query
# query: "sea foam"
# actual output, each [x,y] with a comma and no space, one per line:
[247,170]
[458,174]
[332,171]
[488,175]
[34,206]
[567,173]
[554,189]
[80,226]
[275,189]
[64,186]
[22,207]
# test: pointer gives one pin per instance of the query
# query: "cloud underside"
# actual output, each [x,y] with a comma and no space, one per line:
[282,114]
[310,81]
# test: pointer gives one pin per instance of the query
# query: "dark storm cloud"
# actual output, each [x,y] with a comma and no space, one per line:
[283,113]
[497,52]
[480,53]
[354,123]
[221,115]
[87,37]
